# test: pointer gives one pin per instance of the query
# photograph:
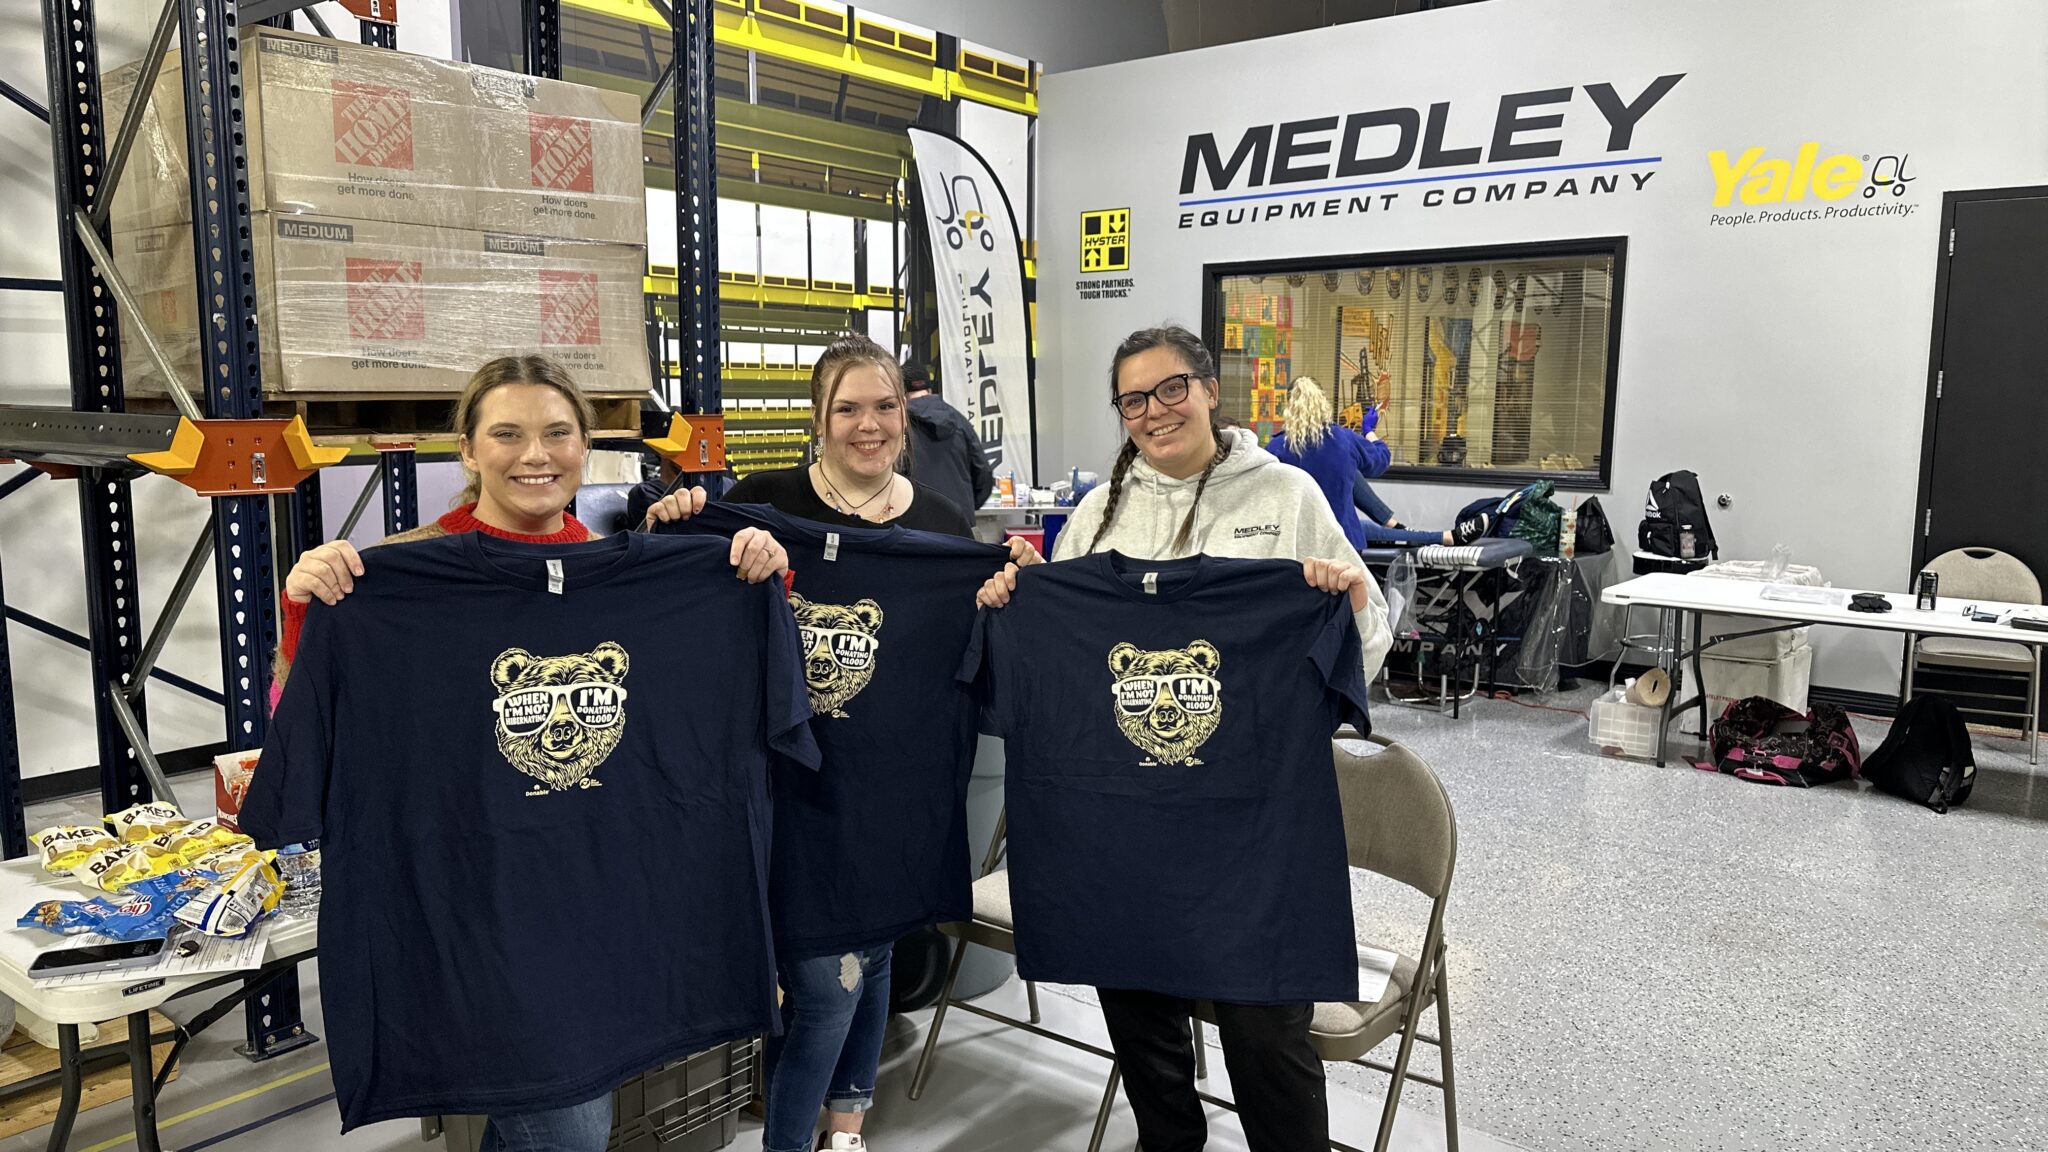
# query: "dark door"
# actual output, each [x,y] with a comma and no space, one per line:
[1987,482]
[1984,476]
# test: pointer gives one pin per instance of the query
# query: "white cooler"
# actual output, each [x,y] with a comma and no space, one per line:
[1778,665]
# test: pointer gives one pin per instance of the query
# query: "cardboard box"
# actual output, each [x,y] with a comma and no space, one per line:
[557,159]
[343,306]
[582,304]
[334,128]
[371,307]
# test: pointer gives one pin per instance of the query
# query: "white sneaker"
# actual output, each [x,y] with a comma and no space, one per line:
[845,1142]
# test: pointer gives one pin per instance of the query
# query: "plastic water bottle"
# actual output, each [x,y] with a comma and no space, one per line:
[298,865]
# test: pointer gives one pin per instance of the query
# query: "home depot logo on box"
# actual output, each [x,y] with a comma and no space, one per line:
[559,147]
[386,300]
[568,308]
[372,125]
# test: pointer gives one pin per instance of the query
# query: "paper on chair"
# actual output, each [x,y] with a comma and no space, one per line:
[1375,969]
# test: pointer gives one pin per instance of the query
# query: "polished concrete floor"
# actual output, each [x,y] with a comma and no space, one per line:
[1641,958]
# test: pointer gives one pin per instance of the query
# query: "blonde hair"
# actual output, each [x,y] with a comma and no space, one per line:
[1308,414]
[514,370]
[851,350]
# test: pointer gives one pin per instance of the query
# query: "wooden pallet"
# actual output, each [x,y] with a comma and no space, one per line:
[22,1058]
[363,418]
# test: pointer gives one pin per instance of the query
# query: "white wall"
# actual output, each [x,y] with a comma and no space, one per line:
[1784,362]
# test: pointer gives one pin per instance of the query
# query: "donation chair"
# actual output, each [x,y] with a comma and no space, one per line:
[1983,574]
[1398,823]
[993,926]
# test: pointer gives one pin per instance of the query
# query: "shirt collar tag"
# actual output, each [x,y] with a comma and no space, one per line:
[831,545]
[555,577]
[1151,583]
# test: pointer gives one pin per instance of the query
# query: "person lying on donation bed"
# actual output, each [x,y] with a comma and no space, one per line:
[1343,463]
[523,427]
[1183,485]
[835,1007]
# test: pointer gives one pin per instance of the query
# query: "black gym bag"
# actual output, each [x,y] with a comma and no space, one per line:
[1926,757]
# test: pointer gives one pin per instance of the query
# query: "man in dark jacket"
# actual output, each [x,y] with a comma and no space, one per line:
[945,452]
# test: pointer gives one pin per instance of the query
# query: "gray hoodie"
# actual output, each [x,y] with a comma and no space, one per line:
[1254,508]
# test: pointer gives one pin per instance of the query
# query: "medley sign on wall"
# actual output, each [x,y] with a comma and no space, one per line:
[1780,209]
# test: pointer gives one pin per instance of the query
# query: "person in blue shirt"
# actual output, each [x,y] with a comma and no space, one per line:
[1343,464]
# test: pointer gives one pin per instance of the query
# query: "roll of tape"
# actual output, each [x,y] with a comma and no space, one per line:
[1650,689]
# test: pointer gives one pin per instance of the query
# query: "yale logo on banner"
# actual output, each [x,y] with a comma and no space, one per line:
[1106,240]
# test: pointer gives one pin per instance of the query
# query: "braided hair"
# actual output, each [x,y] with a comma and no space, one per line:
[1195,354]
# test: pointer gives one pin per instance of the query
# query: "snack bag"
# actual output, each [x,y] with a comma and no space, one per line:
[230,906]
[113,867]
[66,848]
[145,820]
[66,917]
[192,842]
[142,916]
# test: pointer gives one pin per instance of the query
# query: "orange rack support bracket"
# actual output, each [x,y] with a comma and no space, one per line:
[240,457]
[381,11]
[693,443]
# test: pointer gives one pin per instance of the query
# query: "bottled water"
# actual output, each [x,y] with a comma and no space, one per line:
[298,865]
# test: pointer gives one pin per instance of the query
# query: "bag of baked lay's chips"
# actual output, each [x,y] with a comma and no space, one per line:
[112,867]
[146,820]
[232,904]
[65,848]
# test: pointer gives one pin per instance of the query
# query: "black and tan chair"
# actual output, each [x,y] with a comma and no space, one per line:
[1983,574]
[994,927]
[1398,823]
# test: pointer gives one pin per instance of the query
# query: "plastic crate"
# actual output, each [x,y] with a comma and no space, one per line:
[690,1105]
[1629,728]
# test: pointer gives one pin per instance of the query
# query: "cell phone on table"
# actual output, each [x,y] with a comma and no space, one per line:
[96,958]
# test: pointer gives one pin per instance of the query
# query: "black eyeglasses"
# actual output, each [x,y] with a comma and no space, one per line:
[1170,391]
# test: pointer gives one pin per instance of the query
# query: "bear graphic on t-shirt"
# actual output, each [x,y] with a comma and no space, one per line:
[1169,702]
[840,650]
[559,717]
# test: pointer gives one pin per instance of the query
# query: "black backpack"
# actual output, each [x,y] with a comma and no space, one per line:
[1674,510]
[1926,757]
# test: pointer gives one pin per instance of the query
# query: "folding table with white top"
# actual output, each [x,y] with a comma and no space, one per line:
[1678,598]
[23,885]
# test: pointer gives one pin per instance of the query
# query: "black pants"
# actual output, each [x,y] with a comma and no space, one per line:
[1275,1073]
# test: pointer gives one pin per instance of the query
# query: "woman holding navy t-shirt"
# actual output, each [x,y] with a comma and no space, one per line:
[1184,485]
[523,427]
[835,1006]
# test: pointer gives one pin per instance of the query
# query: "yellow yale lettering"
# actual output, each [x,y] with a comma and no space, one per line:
[1763,181]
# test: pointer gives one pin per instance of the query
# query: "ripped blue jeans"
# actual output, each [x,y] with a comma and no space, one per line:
[834,1011]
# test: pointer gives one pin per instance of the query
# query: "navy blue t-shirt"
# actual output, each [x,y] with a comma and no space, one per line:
[1173,814]
[544,857]
[874,844]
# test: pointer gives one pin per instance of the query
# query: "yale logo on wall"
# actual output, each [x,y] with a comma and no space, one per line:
[1756,179]
[1106,240]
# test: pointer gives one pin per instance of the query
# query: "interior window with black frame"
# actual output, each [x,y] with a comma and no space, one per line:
[1484,364]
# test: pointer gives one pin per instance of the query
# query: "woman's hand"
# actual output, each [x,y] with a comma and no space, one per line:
[676,506]
[1334,576]
[757,554]
[328,572]
[995,591]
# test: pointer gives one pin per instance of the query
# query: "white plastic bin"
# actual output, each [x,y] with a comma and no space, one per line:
[1630,729]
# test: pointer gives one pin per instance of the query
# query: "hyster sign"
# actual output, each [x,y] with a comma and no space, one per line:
[1390,141]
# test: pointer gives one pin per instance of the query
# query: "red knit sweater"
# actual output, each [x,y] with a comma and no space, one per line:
[292,614]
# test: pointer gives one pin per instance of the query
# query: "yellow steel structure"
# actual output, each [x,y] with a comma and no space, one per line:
[779,291]
[878,52]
